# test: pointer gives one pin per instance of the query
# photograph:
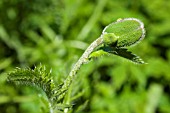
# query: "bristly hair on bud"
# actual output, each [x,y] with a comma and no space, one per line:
[129,30]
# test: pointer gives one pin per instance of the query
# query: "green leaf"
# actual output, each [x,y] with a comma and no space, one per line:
[123,52]
[38,78]
[98,53]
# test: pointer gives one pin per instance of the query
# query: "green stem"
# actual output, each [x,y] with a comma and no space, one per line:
[83,59]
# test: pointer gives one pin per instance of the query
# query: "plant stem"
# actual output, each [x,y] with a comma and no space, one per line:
[83,59]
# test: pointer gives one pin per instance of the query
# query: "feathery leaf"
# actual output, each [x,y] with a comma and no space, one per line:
[37,77]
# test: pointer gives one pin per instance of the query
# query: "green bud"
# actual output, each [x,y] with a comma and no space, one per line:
[126,32]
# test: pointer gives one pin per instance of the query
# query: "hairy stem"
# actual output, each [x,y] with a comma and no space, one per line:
[83,59]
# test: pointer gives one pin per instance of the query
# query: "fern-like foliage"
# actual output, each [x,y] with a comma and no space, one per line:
[37,77]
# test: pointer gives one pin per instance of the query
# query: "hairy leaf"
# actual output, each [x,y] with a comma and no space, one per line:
[38,78]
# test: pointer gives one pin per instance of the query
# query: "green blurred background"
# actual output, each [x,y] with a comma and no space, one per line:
[56,32]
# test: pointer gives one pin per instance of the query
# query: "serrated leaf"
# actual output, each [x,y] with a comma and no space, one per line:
[37,78]
[123,52]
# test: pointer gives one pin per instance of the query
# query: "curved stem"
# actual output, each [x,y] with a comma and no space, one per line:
[82,60]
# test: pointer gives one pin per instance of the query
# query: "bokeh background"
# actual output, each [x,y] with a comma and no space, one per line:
[56,32]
